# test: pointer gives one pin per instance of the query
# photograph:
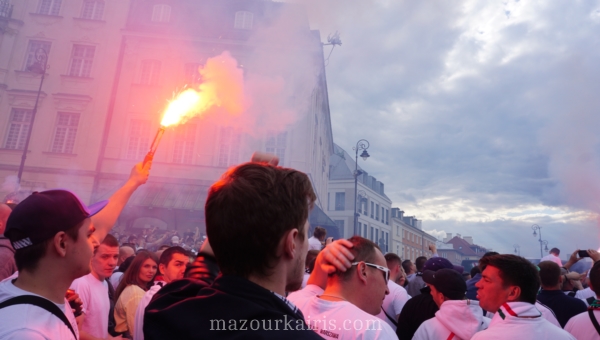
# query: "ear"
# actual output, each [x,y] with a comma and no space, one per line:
[361,272]
[289,244]
[514,293]
[162,268]
[59,243]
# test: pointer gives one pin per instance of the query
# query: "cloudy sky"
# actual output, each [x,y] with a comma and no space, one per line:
[482,115]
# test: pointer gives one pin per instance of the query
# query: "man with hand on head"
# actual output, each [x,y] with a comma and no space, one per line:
[509,285]
[457,318]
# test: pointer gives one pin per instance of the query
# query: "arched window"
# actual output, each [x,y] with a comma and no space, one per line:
[243,20]
[161,13]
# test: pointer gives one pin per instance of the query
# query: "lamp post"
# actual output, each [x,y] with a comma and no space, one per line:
[517,247]
[363,145]
[39,66]
[536,228]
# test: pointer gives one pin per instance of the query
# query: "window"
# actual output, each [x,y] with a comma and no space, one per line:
[340,201]
[372,208]
[372,233]
[150,71]
[229,147]
[192,75]
[276,144]
[387,216]
[18,128]
[377,212]
[32,48]
[340,225]
[82,57]
[161,13]
[92,10]
[397,230]
[243,20]
[364,230]
[359,228]
[183,150]
[376,240]
[139,139]
[65,133]
[49,7]
[387,238]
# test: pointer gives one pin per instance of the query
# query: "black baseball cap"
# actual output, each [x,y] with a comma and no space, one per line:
[43,214]
[448,282]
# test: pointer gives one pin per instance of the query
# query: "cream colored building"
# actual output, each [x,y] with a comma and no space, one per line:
[410,241]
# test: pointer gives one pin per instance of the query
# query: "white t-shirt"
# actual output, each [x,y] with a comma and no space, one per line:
[305,279]
[314,244]
[139,313]
[581,327]
[115,279]
[96,305]
[393,302]
[338,319]
[553,258]
[32,322]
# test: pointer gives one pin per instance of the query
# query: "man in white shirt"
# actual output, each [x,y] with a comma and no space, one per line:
[509,285]
[93,290]
[316,241]
[54,235]
[395,300]
[553,256]
[457,318]
[347,307]
[172,266]
[581,326]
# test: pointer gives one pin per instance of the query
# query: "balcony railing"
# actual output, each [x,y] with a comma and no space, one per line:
[5,9]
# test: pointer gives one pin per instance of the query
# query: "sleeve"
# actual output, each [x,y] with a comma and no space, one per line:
[405,329]
[80,287]
[399,301]
[421,333]
[131,308]
[24,334]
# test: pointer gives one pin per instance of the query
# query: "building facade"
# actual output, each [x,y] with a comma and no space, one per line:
[410,241]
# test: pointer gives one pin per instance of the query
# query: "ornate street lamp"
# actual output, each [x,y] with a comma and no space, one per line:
[517,247]
[363,145]
[39,66]
[536,228]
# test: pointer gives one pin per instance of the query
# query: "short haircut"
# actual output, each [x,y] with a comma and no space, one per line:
[311,256]
[420,263]
[249,210]
[489,253]
[319,232]
[28,258]
[109,241]
[391,258]
[123,251]
[555,251]
[515,271]
[167,254]
[363,250]
[406,265]
[595,277]
[549,273]
[132,274]
[475,270]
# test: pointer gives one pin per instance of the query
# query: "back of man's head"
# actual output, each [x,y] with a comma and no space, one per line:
[595,278]
[407,266]
[555,251]
[549,275]
[125,252]
[515,271]
[249,210]
[448,282]
[320,232]
[420,262]
[392,259]
[363,250]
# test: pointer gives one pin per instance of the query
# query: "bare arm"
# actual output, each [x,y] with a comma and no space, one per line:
[106,218]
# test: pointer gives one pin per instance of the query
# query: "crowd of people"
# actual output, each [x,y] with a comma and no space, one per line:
[65,274]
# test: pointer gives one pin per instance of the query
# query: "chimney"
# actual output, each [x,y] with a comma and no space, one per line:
[395,212]
[448,237]
[469,239]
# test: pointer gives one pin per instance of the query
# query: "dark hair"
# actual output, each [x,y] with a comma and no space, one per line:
[595,277]
[391,257]
[28,258]
[164,246]
[132,274]
[249,210]
[489,253]
[167,255]
[363,250]
[131,238]
[311,257]
[420,263]
[549,273]
[555,251]
[319,232]
[406,265]
[516,271]
[109,241]
[474,271]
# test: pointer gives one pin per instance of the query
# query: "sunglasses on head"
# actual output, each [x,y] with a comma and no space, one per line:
[386,271]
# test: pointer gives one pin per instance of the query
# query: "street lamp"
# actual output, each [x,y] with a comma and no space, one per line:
[363,145]
[536,228]
[517,247]
[39,66]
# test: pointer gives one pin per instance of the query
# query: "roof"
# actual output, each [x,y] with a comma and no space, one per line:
[341,164]
[462,245]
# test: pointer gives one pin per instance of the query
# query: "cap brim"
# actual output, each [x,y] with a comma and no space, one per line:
[96,207]
[459,269]
[429,276]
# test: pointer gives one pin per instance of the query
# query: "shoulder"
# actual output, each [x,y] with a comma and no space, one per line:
[23,333]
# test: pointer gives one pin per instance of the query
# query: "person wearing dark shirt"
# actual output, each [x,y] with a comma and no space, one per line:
[551,295]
